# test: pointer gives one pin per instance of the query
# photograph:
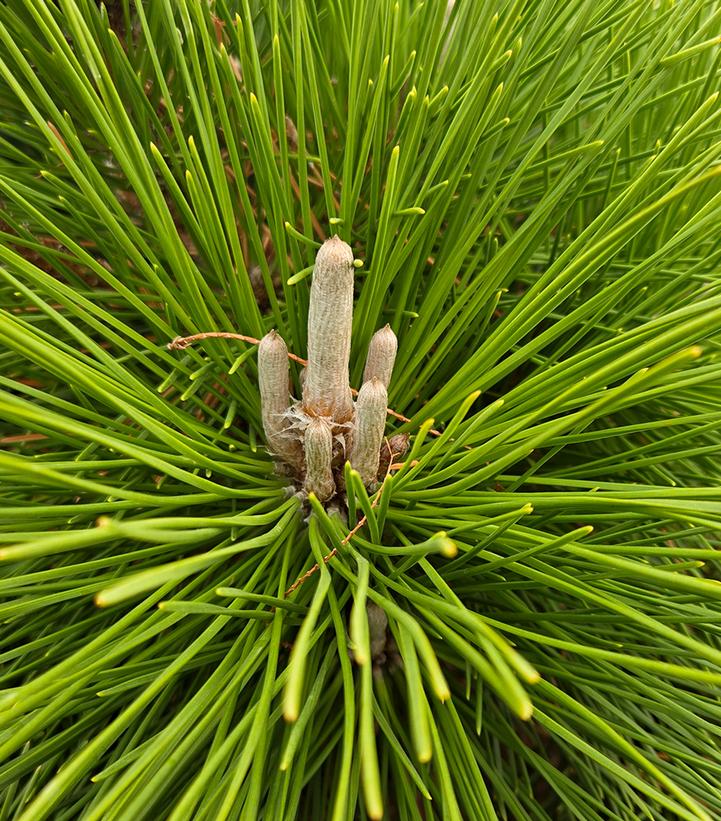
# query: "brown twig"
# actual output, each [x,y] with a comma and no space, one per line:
[308,573]
[180,343]
[21,438]
[391,466]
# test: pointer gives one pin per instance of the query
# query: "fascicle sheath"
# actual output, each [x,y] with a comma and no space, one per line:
[273,375]
[326,388]
[391,451]
[370,422]
[377,628]
[381,356]
[318,443]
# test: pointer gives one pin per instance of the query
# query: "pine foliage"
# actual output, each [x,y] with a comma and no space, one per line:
[526,625]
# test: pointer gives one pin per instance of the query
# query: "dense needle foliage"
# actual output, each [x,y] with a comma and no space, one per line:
[534,189]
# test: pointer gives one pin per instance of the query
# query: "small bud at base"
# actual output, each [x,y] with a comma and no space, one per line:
[318,442]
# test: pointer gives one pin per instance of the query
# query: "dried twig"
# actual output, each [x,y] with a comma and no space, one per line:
[298,582]
[180,343]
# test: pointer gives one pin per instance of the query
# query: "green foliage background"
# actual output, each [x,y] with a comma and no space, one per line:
[534,188]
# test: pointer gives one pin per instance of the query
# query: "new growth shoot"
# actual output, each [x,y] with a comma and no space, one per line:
[314,437]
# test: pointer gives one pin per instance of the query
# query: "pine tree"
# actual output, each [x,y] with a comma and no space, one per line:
[515,613]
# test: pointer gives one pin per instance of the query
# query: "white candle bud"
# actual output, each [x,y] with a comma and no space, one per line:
[381,356]
[326,388]
[370,422]
[318,442]
[273,376]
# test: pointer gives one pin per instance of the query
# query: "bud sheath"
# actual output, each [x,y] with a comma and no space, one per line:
[381,356]
[392,450]
[377,628]
[318,443]
[326,390]
[368,431]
